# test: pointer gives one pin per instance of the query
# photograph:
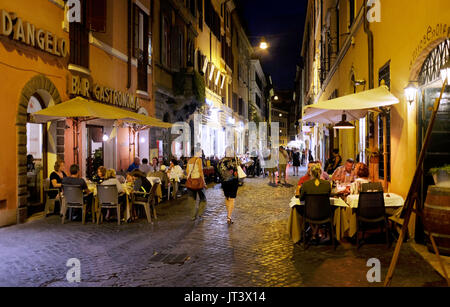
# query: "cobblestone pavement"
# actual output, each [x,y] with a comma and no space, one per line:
[255,251]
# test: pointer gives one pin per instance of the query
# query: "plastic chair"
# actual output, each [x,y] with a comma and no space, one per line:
[318,211]
[147,200]
[108,197]
[73,198]
[50,202]
[371,210]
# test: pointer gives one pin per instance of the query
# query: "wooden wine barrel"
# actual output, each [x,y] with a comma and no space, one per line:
[436,217]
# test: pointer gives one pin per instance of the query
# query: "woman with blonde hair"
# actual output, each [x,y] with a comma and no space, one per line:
[228,170]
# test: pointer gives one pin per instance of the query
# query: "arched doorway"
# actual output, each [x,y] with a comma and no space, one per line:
[46,141]
[438,153]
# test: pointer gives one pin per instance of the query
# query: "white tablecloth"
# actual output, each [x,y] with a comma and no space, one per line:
[393,200]
[154,180]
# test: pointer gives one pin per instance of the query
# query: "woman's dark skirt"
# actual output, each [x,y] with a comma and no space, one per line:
[230,188]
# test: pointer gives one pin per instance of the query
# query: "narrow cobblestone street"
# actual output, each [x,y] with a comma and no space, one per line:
[255,251]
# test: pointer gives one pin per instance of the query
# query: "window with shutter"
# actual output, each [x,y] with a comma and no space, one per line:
[165,42]
[175,53]
[235,102]
[200,13]
[141,46]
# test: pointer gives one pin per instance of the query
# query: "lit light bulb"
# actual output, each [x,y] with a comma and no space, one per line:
[105,138]
[410,92]
[263,45]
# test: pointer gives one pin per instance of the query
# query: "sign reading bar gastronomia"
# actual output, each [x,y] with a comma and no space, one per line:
[27,33]
[82,87]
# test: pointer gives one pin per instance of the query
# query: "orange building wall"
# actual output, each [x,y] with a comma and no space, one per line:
[18,64]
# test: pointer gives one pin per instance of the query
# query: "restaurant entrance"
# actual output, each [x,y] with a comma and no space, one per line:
[438,153]
[36,156]
[41,147]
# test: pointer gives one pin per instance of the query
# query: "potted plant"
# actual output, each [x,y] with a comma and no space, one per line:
[374,155]
[441,176]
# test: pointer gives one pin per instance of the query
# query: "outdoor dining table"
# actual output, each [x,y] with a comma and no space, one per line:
[128,189]
[344,218]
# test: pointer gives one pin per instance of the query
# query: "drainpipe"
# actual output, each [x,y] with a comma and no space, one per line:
[370,46]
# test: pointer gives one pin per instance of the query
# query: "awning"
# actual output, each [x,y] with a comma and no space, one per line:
[83,108]
[356,106]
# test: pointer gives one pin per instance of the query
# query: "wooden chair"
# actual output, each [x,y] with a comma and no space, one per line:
[50,202]
[318,211]
[147,200]
[108,198]
[371,210]
[73,198]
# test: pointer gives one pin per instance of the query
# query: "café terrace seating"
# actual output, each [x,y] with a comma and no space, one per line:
[147,200]
[371,210]
[318,211]
[108,198]
[73,198]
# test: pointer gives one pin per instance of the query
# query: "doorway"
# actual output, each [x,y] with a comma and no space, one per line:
[438,152]
[95,150]
[37,161]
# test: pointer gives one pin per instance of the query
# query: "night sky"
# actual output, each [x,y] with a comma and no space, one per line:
[281,22]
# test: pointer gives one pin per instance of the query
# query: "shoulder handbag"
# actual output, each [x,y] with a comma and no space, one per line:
[195,183]
[240,171]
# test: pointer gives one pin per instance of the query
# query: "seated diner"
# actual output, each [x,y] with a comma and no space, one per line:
[315,186]
[344,174]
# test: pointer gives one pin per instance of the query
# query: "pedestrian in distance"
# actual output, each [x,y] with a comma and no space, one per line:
[296,162]
[282,164]
[134,165]
[270,165]
[228,170]
[196,185]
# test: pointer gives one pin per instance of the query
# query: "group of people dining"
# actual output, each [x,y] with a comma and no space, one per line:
[58,178]
[351,175]
[136,178]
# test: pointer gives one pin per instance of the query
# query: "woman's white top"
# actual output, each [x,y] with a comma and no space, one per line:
[176,173]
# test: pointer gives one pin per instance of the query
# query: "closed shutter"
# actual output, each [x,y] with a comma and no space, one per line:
[96,15]
[79,40]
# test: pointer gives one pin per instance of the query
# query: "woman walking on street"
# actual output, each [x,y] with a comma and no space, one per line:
[196,185]
[283,161]
[296,162]
[230,180]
